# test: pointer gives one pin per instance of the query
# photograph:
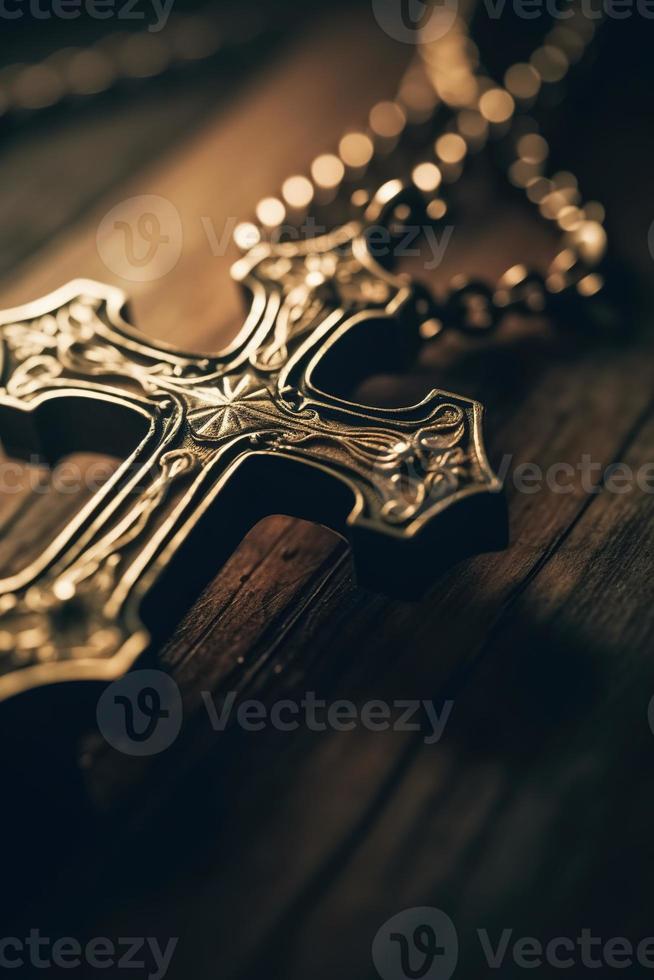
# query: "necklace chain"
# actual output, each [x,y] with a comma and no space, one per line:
[447,102]
[75,73]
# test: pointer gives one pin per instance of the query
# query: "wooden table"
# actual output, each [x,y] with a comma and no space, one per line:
[281,855]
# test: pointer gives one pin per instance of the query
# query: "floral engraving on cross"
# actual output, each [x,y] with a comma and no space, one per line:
[219,441]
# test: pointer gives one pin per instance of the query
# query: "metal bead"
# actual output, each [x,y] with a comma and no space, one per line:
[595,300]
[521,290]
[470,306]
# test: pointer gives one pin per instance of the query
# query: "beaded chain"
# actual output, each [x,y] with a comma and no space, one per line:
[445,100]
[445,92]
[78,73]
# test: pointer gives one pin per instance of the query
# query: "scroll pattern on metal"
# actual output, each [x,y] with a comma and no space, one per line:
[74,612]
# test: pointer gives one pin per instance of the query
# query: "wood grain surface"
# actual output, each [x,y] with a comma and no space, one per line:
[280,855]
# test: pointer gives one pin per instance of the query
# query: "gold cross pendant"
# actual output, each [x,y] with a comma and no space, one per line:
[213,444]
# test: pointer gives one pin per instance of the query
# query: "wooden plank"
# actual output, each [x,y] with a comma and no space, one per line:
[60,162]
[510,822]
[85,158]
[219,176]
[343,630]
[310,838]
[37,503]
[196,170]
[290,834]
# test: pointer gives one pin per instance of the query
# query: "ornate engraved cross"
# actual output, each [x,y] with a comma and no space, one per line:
[213,444]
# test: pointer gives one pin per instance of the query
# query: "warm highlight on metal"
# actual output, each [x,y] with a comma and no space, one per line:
[212,444]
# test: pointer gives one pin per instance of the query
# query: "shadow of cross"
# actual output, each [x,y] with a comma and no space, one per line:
[212,444]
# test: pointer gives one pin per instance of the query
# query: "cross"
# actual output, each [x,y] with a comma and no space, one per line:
[210,445]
